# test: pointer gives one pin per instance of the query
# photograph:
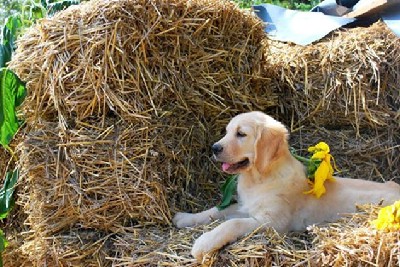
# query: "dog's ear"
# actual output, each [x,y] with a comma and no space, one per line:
[271,144]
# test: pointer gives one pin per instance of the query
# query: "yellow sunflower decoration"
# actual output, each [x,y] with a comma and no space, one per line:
[319,167]
[388,218]
[323,172]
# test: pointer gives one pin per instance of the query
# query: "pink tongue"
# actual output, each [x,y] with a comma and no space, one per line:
[225,166]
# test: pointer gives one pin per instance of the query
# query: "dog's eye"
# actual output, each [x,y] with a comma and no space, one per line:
[240,134]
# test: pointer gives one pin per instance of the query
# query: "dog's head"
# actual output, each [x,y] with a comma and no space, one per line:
[252,140]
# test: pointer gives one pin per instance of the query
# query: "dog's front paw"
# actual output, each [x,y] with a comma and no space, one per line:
[183,219]
[203,246]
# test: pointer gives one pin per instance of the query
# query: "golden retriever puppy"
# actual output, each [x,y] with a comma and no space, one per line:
[271,186]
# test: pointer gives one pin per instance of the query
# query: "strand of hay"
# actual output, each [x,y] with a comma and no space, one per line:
[350,78]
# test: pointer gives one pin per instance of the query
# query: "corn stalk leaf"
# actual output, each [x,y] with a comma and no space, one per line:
[10,29]
[5,54]
[7,192]
[8,37]
[3,245]
[12,93]
[53,8]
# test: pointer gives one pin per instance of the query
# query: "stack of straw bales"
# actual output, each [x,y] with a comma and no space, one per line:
[125,98]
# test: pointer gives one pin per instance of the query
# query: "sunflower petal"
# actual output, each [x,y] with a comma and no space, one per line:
[319,155]
[322,146]
[388,218]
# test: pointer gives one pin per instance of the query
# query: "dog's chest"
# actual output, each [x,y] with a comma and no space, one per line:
[254,195]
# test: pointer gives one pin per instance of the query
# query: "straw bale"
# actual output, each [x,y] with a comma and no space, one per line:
[92,177]
[353,242]
[350,78]
[124,99]
[167,69]
[13,226]
[141,59]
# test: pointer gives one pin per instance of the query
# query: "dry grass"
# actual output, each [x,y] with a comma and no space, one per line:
[349,242]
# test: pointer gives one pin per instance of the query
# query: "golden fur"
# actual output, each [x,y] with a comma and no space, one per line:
[270,187]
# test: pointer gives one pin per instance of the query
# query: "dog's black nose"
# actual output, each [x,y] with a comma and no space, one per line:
[216,149]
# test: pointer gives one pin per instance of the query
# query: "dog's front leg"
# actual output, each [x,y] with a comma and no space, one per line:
[182,219]
[223,234]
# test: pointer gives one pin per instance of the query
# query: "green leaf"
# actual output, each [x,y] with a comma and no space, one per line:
[12,93]
[3,241]
[3,245]
[5,55]
[11,28]
[44,3]
[7,192]
[228,189]
[36,11]
[9,35]
[60,5]
[312,167]
[6,204]
[310,164]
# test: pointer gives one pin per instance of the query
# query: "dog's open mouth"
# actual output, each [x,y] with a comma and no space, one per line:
[234,168]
